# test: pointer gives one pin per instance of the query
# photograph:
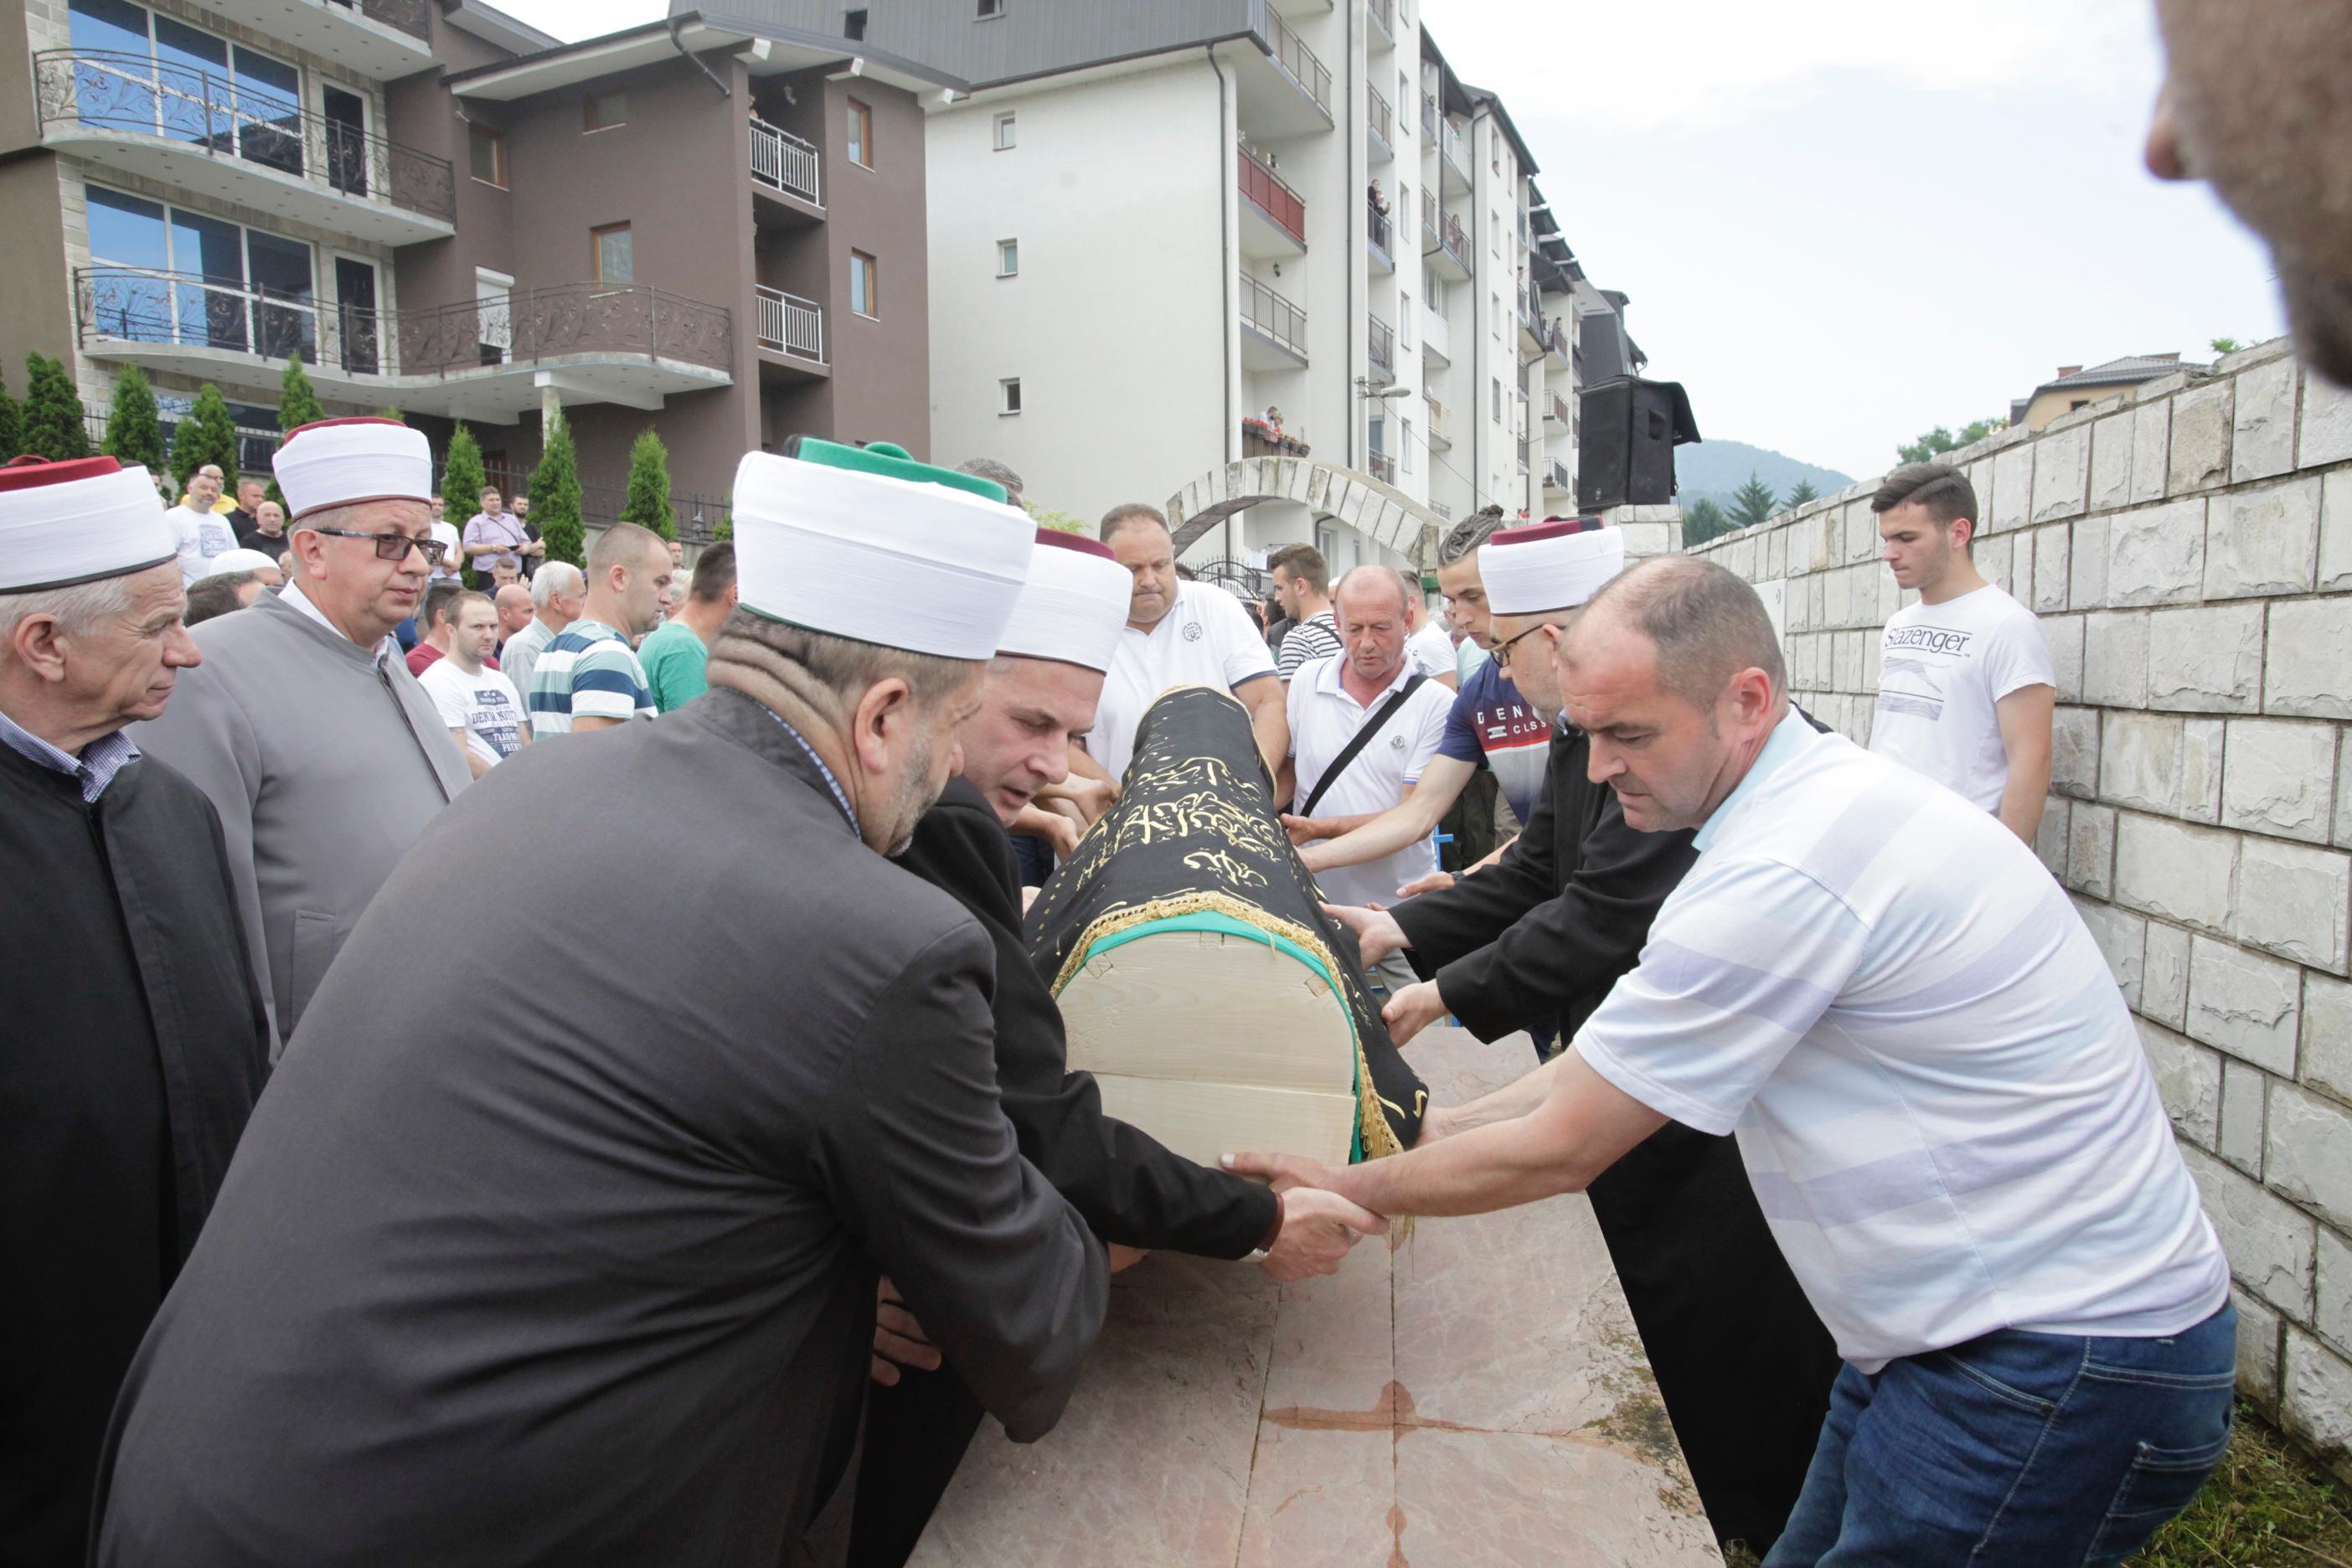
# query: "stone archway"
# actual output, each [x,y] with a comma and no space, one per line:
[1381,513]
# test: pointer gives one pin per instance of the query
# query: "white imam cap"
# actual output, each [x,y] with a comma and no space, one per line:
[77,522]
[1557,565]
[1074,606]
[341,462]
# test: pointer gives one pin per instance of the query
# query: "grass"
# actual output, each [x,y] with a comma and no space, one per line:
[2268,1506]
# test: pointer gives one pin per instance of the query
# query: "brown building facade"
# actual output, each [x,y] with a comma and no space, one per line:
[698,228]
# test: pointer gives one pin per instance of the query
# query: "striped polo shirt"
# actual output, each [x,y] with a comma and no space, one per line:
[1937,1088]
[589,672]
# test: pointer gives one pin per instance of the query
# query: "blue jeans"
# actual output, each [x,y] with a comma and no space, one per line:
[2017,1451]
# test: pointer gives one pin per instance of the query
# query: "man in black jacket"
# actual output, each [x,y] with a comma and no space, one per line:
[1742,1361]
[133,1039]
[1136,1194]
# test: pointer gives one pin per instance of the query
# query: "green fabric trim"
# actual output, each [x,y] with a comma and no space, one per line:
[1225,925]
[891,462]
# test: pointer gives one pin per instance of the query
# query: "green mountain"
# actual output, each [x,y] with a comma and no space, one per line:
[1712,470]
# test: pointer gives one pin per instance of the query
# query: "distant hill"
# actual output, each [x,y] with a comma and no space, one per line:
[1712,470]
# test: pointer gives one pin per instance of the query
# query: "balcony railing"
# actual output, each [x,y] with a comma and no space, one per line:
[1382,121]
[791,325]
[406,16]
[1294,56]
[1429,116]
[1450,148]
[1558,413]
[227,119]
[1556,477]
[189,311]
[1440,422]
[783,162]
[1446,234]
[1274,316]
[1380,466]
[1273,197]
[1376,229]
[1381,345]
[1383,15]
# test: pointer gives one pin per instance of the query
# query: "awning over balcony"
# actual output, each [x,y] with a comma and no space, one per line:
[484,359]
[380,40]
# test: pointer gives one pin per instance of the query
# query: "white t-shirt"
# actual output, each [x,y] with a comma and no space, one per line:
[484,704]
[1323,718]
[202,535]
[1430,650]
[1938,1093]
[1941,668]
[1206,638]
[452,560]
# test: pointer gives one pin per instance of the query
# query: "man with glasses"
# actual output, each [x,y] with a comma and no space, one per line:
[320,753]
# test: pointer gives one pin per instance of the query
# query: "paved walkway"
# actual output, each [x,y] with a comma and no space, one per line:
[1474,1395]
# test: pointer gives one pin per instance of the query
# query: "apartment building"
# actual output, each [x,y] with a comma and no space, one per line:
[1150,227]
[711,228]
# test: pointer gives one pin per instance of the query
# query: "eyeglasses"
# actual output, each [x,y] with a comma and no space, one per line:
[1503,650]
[394,546]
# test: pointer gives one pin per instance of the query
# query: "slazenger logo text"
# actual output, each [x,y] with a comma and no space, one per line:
[1929,640]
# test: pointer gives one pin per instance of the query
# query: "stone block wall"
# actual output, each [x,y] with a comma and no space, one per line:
[2190,557]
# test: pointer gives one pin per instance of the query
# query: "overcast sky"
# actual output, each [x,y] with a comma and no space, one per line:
[1843,222]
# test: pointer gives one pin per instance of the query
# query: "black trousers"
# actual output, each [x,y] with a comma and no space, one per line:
[916,1435]
[1741,1359]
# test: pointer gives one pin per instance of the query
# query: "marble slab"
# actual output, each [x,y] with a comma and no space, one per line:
[1472,1394]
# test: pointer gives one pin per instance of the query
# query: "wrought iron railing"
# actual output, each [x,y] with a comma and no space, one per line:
[1293,56]
[1384,121]
[410,16]
[227,119]
[791,325]
[1376,227]
[1276,317]
[1273,195]
[1380,346]
[190,310]
[785,161]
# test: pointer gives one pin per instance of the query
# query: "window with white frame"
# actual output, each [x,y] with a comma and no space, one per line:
[1404,318]
[1404,446]
[1003,132]
[1008,258]
[1008,396]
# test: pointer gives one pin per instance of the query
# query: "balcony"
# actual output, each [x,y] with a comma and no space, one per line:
[1556,412]
[480,359]
[1440,423]
[1554,477]
[1453,160]
[1444,244]
[790,325]
[1436,337]
[1380,348]
[1275,335]
[1378,241]
[1533,333]
[782,162]
[1429,117]
[1380,466]
[218,138]
[1274,215]
[1380,126]
[1383,15]
[379,40]
[1286,92]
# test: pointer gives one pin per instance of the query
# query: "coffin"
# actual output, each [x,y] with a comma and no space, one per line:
[1199,980]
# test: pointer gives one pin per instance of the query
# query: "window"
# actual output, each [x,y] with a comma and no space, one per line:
[1495,231]
[853,25]
[1433,292]
[1494,302]
[861,285]
[1498,399]
[616,259]
[255,102]
[1008,258]
[861,134]
[608,108]
[489,155]
[1376,435]
[1004,132]
[493,315]
[1404,446]
[163,275]
[1404,318]
[989,10]
[1008,396]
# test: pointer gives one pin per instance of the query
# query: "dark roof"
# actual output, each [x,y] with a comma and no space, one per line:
[2129,371]
[1485,99]
[667,30]
[1451,97]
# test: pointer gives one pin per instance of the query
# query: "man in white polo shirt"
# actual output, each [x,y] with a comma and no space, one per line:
[1178,633]
[1936,1089]
[1368,685]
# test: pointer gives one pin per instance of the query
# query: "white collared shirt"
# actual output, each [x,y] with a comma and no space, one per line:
[1206,638]
[1324,717]
[293,595]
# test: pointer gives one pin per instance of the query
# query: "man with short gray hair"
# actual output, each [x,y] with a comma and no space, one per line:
[1936,1088]
[990,468]
[559,593]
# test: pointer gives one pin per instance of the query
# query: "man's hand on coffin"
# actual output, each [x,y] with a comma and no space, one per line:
[1090,796]
[1303,830]
[1428,884]
[1412,1010]
[1029,897]
[898,1340]
[1376,932]
[1056,829]
[1125,1257]
[1318,1229]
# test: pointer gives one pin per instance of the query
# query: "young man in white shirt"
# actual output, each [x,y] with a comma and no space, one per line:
[1178,633]
[1426,646]
[1938,1093]
[481,706]
[1330,701]
[1965,683]
[1302,586]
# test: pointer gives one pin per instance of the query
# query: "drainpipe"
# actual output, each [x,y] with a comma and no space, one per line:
[1226,265]
[1357,413]
[674,23]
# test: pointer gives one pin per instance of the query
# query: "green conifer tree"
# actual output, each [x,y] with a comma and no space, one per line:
[51,414]
[555,496]
[206,436]
[648,500]
[461,475]
[12,424]
[1752,502]
[297,405]
[394,415]
[133,432]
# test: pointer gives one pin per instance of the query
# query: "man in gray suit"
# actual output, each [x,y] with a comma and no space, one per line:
[303,726]
[493,1282]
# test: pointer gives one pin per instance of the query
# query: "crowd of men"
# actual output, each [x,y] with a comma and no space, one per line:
[336,1242]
